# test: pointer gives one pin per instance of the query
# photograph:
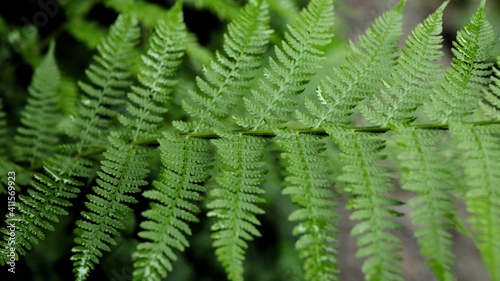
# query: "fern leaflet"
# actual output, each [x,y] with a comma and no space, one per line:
[360,76]
[481,160]
[297,62]
[368,182]
[123,172]
[235,201]
[229,77]
[186,162]
[491,105]
[50,192]
[457,96]
[423,172]
[413,76]
[37,138]
[308,186]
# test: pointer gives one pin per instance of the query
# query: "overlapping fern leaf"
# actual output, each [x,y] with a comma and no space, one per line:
[457,99]
[229,76]
[297,61]
[123,171]
[481,161]
[236,198]
[109,77]
[185,165]
[37,138]
[367,65]
[147,103]
[423,172]
[413,77]
[369,183]
[51,192]
[457,96]
[308,185]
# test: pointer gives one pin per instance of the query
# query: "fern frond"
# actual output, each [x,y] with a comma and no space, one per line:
[413,77]
[37,138]
[109,79]
[367,64]
[46,201]
[185,165]
[230,75]
[368,182]
[122,174]
[50,193]
[297,61]
[423,172]
[147,103]
[464,81]
[491,105]
[481,161]
[235,199]
[308,185]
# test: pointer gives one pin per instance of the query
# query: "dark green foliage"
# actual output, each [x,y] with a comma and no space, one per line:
[50,192]
[100,144]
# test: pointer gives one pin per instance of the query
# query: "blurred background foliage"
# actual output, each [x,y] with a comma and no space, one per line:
[28,26]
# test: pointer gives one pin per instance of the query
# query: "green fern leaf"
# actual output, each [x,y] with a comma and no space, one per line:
[235,201]
[308,186]
[37,138]
[159,65]
[413,76]
[423,172]
[123,172]
[491,105]
[229,77]
[186,162]
[481,160]
[367,64]
[50,193]
[464,81]
[110,78]
[297,61]
[368,182]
